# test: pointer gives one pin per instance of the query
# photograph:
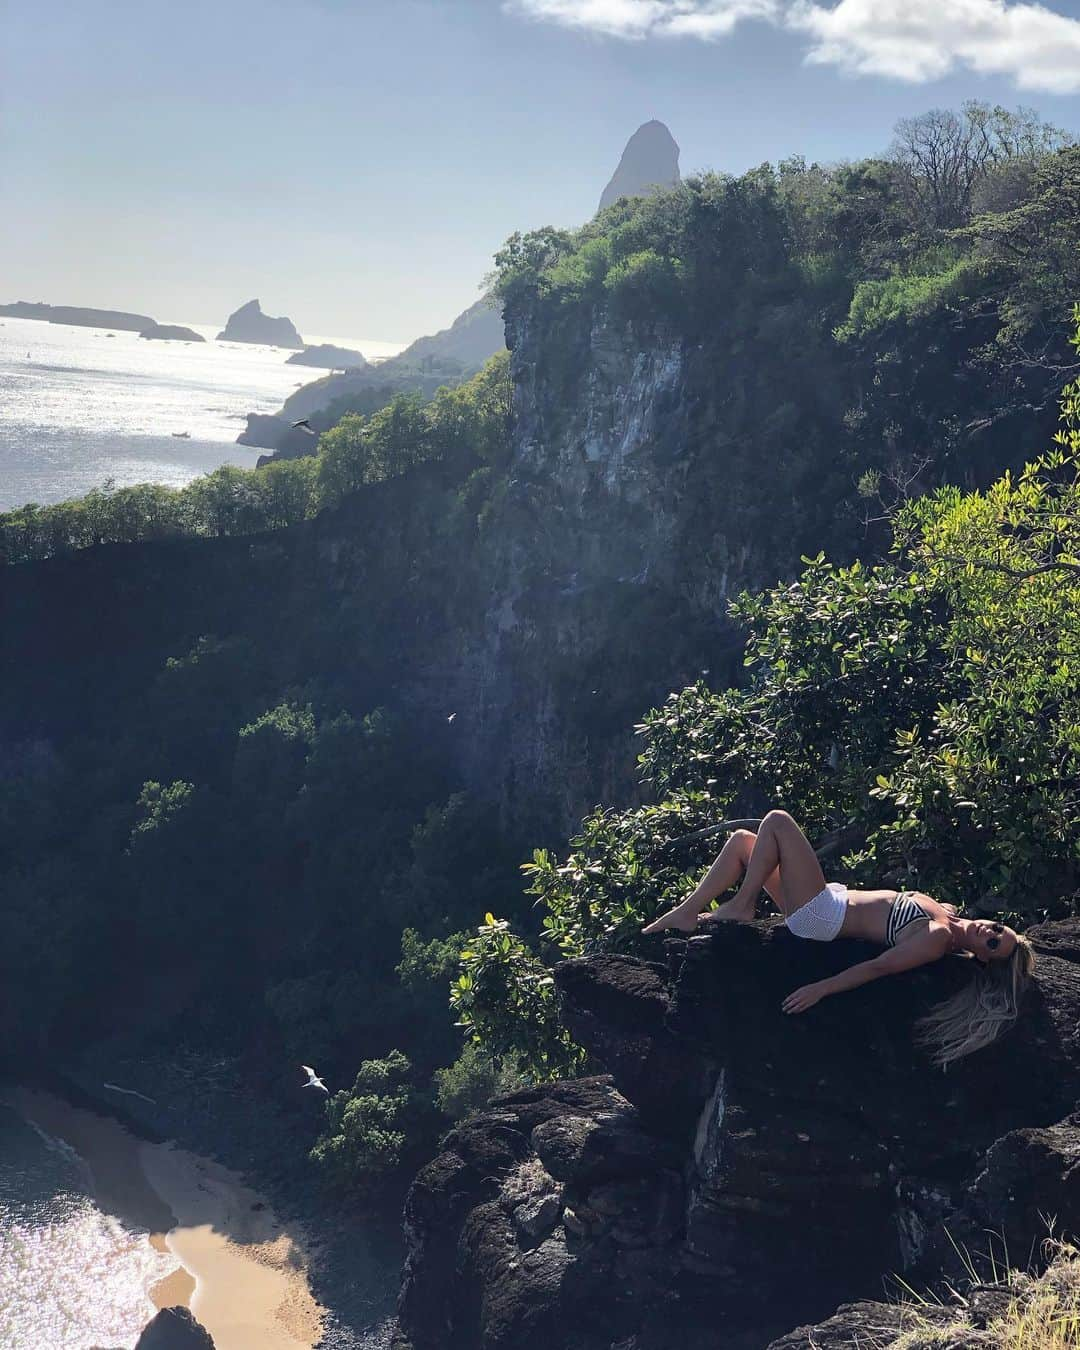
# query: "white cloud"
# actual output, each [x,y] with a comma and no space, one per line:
[617,18]
[921,40]
[643,18]
[716,19]
[914,40]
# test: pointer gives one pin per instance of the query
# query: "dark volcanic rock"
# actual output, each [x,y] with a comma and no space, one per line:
[925,1326]
[709,1191]
[171,332]
[328,357]
[174,1329]
[250,324]
[649,163]
[855,1324]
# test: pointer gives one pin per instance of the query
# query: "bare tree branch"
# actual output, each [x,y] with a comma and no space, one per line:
[832,843]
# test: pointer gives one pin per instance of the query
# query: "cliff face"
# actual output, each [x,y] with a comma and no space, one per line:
[741,1172]
[652,477]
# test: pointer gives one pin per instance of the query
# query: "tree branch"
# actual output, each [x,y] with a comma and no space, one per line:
[1018,573]
[832,843]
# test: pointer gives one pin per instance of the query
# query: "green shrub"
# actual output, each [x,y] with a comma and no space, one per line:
[504,999]
[369,1127]
[471,1081]
[909,296]
[645,286]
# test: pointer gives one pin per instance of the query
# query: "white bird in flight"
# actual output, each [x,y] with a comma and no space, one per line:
[451,717]
[313,1079]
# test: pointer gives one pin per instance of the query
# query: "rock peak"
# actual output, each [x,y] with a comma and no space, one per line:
[250,324]
[649,164]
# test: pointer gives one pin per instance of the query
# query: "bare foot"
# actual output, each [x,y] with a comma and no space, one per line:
[731,911]
[683,917]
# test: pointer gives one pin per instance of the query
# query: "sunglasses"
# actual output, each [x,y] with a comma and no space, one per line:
[994,943]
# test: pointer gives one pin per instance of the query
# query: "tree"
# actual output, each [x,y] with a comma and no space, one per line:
[946,155]
[373,1127]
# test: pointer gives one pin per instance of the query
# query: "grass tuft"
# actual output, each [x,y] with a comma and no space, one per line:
[1043,1313]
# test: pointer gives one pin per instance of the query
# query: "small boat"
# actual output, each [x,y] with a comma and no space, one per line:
[182,435]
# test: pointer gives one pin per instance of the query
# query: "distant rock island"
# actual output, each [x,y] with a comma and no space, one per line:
[649,164]
[171,332]
[328,357]
[250,324]
[81,318]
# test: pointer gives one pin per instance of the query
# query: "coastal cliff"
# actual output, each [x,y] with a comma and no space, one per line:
[441,358]
[737,1172]
[595,576]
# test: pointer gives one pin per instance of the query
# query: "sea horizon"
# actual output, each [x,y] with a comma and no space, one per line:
[84,406]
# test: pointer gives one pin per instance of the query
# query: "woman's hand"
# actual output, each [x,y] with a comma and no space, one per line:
[806,997]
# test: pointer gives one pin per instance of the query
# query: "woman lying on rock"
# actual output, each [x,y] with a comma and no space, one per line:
[914,928]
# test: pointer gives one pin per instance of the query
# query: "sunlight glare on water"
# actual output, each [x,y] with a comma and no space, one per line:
[78,406]
[71,1277]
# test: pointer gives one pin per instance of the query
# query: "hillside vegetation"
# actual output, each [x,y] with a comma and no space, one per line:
[273,743]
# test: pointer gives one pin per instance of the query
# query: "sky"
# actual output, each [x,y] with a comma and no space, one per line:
[356,163]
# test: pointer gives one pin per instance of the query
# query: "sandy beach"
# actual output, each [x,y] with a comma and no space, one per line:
[242,1272]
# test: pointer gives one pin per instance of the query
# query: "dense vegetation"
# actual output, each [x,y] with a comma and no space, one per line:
[235,814]
[884,239]
[925,710]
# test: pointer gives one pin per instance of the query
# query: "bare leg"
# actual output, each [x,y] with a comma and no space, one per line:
[724,873]
[780,846]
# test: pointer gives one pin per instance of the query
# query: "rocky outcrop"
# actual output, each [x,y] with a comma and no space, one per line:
[649,164]
[328,357]
[740,1172]
[250,324]
[174,1329]
[77,316]
[171,332]
[925,1326]
[266,431]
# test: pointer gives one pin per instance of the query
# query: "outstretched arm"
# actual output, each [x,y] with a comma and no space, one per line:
[917,951]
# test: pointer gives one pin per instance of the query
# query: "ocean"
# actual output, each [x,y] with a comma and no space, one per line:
[71,1275]
[82,406]
[98,1228]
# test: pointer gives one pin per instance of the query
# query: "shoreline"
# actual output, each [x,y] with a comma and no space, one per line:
[242,1271]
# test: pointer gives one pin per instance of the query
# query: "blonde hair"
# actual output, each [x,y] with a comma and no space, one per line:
[981,1011]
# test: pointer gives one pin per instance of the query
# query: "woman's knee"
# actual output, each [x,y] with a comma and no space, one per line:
[780,820]
[743,841]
